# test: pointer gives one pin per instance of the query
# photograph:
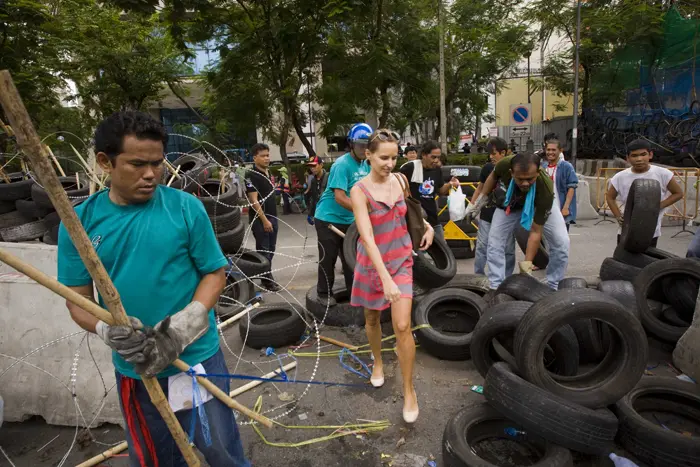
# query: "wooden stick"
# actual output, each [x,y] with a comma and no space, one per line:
[4,176]
[88,170]
[174,175]
[100,313]
[55,161]
[253,384]
[6,128]
[335,342]
[171,168]
[104,456]
[336,230]
[237,316]
[30,144]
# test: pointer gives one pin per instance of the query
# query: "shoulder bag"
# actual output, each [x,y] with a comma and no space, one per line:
[414,214]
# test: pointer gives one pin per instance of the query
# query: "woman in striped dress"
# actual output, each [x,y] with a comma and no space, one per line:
[384,269]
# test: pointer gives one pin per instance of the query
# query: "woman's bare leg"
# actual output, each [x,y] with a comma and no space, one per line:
[406,348]
[374,336]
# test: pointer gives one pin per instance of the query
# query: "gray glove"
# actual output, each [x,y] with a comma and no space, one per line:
[474,208]
[130,342]
[170,336]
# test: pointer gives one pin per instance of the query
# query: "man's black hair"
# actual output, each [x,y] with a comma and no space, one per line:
[550,136]
[428,147]
[638,144]
[523,161]
[499,143]
[257,147]
[110,133]
[409,149]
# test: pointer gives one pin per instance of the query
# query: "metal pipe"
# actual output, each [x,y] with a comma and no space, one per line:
[574,132]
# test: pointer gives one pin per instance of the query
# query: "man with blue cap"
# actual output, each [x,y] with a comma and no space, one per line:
[334,208]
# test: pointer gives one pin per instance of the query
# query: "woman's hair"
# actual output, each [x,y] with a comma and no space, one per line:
[381,135]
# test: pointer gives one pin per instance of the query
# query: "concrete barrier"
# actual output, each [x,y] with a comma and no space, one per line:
[32,317]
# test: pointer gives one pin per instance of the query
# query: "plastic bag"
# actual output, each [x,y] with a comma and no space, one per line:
[457,202]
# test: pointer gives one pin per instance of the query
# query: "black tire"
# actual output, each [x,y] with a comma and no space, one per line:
[434,266]
[653,444]
[623,292]
[541,257]
[7,206]
[193,171]
[524,287]
[573,283]
[681,292]
[48,239]
[499,298]
[641,215]
[273,326]
[24,232]
[612,270]
[473,282]
[75,194]
[18,188]
[463,432]
[462,253]
[342,314]
[592,337]
[52,220]
[638,260]
[671,316]
[232,240]
[619,371]
[554,418]
[30,209]
[459,307]
[215,202]
[226,222]
[250,262]
[238,292]
[352,237]
[659,254]
[644,285]
[13,219]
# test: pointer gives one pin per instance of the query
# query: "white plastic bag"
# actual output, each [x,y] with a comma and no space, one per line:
[457,202]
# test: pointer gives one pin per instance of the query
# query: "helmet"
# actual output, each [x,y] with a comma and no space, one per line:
[360,132]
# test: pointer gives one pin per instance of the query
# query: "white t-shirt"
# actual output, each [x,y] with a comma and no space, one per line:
[552,172]
[622,181]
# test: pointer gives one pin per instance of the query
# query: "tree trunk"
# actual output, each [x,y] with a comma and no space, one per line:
[181,98]
[386,105]
[296,122]
[477,126]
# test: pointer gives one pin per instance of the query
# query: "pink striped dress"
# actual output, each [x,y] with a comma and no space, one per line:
[394,243]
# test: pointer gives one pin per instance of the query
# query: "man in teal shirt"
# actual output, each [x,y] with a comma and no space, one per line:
[334,208]
[161,252]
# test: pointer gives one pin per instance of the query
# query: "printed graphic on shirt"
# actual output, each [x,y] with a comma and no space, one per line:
[427,188]
[96,240]
[248,183]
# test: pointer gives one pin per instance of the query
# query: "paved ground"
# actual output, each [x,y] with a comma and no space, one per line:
[442,387]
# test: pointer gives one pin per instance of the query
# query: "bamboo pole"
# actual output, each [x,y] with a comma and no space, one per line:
[175,174]
[336,342]
[237,316]
[28,140]
[111,452]
[55,161]
[171,168]
[253,384]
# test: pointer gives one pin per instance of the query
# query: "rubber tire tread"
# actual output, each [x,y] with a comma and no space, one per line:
[216,203]
[608,382]
[75,195]
[573,283]
[352,237]
[232,240]
[641,215]
[473,282]
[681,292]
[554,418]
[13,219]
[623,292]
[7,206]
[237,289]
[541,259]
[226,222]
[30,209]
[277,334]
[24,232]
[17,188]
[250,262]
[611,269]
[428,275]
[341,314]
[524,287]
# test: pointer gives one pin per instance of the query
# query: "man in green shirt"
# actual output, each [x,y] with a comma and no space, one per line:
[529,202]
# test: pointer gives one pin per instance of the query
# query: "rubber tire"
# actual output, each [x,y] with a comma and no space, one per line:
[226,222]
[623,292]
[652,444]
[591,340]
[622,367]
[541,259]
[502,298]
[462,253]
[13,219]
[75,195]
[236,289]
[436,343]
[429,275]
[18,188]
[52,220]
[554,418]
[641,215]
[524,287]
[24,232]
[273,326]
[611,270]
[232,240]
[196,173]
[640,260]
[216,203]
[30,209]
[250,262]
[7,206]
[48,240]
[473,282]
[671,316]
[659,254]
[342,314]
[573,283]
[681,292]
[456,451]
[653,324]
[504,318]
[352,237]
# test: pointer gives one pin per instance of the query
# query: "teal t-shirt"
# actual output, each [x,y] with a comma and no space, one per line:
[156,253]
[345,172]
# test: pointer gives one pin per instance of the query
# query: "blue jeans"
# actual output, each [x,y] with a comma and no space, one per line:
[694,246]
[226,449]
[482,243]
[555,235]
[265,242]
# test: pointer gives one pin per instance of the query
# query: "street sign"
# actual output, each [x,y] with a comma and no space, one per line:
[519,131]
[520,114]
[493,131]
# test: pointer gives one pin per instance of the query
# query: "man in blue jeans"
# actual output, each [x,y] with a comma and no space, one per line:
[160,250]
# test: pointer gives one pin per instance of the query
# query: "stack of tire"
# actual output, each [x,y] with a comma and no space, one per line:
[527,348]
[432,269]
[462,249]
[26,212]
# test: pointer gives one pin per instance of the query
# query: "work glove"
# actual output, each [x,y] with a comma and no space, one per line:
[620,221]
[310,220]
[130,342]
[169,337]
[525,267]
[474,208]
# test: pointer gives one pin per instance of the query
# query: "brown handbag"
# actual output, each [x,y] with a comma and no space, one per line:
[414,214]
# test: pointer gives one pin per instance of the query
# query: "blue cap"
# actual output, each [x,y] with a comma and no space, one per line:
[360,132]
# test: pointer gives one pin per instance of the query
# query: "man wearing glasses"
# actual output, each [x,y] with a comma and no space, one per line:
[425,179]
[335,208]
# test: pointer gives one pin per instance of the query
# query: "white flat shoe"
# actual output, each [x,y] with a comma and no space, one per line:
[410,416]
[377,382]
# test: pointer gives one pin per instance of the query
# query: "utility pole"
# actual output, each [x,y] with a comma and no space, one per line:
[574,132]
[443,111]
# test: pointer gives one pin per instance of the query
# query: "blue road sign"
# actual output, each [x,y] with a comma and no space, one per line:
[520,114]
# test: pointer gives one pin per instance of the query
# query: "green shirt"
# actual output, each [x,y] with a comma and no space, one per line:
[544,190]
[156,253]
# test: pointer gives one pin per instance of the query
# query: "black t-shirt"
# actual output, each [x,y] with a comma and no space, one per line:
[257,182]
[488,210]
[426,191]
